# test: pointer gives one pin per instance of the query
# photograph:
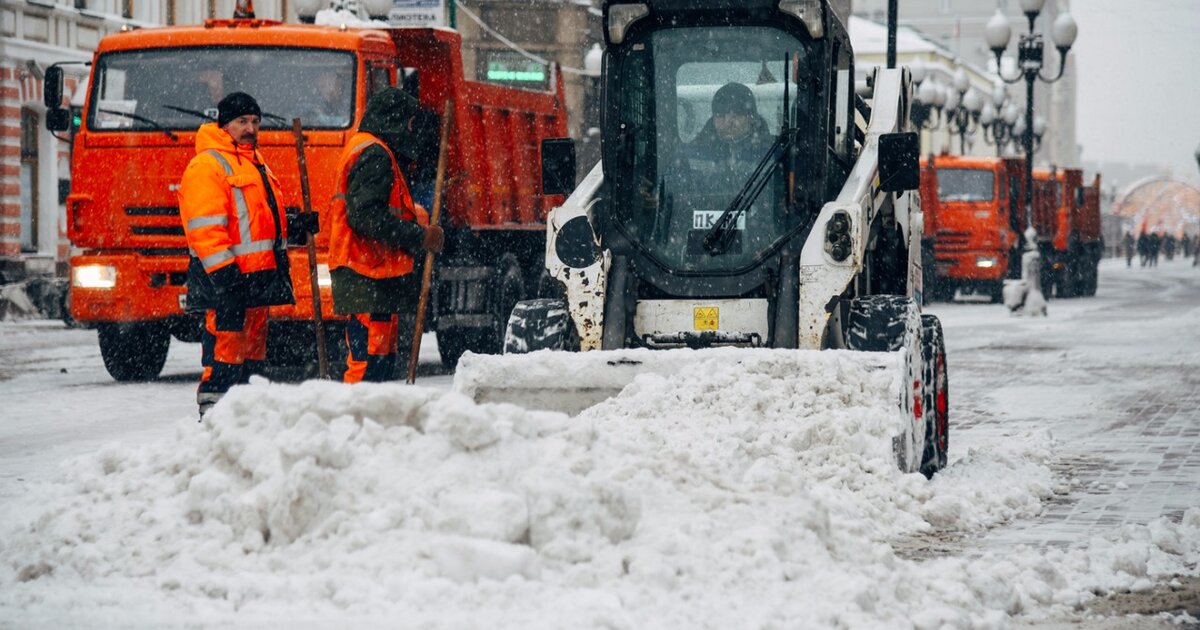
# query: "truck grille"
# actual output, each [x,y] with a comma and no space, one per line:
[157,221]
[948,241]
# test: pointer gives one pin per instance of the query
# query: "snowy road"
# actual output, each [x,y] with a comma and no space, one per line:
[1110,386]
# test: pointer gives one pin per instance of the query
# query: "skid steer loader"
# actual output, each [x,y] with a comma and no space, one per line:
[813,244]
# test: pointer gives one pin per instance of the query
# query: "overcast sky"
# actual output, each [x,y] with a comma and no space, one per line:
[1139,81]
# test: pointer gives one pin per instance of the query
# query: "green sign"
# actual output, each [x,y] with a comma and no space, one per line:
[515,70]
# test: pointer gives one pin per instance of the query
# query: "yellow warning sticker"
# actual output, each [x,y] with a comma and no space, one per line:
[706,317]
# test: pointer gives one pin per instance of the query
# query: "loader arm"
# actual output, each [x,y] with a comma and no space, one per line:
[824,280]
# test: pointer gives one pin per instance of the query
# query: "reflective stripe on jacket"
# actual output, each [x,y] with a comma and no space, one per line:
[223,204]
[366,256]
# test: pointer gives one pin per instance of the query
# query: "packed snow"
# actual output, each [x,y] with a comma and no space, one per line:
[726,494]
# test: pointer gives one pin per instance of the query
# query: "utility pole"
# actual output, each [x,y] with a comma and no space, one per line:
[891,26]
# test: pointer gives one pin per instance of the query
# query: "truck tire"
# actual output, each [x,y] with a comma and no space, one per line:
[134,351]
[507,288]
[541,324]
[876,323]
[937,399]
[995,292]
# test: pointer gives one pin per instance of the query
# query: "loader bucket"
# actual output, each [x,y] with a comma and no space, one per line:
[571,382]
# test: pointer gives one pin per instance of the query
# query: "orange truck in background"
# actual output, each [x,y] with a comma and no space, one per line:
[150,89]
[1067,218]
[972,207]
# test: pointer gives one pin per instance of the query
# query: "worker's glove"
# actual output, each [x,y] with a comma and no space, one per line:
[434,239]
[307,222]
[229,284]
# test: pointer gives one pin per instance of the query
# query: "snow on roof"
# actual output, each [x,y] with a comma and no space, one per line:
[870,38]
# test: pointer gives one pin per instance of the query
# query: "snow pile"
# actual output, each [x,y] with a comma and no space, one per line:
[751,494]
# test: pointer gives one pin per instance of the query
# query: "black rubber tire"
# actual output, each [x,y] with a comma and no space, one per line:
[134,351]
[937,399]
[541,324]
[996,292]
[507,287]
[876,323]
[455,342]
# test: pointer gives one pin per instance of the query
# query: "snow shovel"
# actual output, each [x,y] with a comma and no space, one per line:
[318,324]
[427,275]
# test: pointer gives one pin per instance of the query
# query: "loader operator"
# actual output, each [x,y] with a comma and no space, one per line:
[375,234]
[237,234]
[734,139]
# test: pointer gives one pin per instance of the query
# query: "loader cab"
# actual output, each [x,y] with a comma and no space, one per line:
[699,96]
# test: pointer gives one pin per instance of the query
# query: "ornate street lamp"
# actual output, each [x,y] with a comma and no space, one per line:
[927,110]
[1029,58]
[963,117]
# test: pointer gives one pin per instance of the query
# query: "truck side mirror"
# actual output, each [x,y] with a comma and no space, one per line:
[558,166]
[899,162]
[58,118]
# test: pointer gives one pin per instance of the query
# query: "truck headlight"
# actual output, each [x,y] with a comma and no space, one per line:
[323,277]
[94,277]
[986,262]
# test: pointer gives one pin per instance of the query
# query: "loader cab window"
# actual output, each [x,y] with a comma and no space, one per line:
[841,126]
[699,108]
[965,184]
[155,89]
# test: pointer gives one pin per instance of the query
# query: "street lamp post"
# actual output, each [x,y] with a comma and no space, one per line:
[964,117]
[1029,57]
[997,119]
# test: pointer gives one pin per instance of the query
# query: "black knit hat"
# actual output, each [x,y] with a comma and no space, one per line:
[733,98]
[234,105]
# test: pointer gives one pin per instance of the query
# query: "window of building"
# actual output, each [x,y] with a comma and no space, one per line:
[29,179]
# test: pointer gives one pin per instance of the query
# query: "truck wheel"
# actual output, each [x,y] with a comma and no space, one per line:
[996,292]
[876,323]
[943,290]
[542,324]
[134,351]
[937,399]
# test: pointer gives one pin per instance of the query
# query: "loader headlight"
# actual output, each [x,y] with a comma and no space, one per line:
[986,262]
[94,277]
[323,277]
[837,236]
[575,244]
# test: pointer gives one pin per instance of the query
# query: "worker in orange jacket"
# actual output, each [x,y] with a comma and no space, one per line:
[237,235]
[375,233]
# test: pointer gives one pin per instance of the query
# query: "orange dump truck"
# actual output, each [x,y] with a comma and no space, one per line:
[150,89]
[1066,215]
[972,207]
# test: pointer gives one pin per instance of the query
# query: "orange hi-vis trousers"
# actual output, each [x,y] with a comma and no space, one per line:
[233,347]
[372,342]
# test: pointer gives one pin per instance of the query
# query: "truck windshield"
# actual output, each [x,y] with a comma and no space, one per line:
[175,88]
[965,184]
[699,108]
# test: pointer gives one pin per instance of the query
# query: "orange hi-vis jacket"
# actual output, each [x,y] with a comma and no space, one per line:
[224,208]
[366,256]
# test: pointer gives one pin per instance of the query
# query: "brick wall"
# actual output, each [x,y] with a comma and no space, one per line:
[10,163]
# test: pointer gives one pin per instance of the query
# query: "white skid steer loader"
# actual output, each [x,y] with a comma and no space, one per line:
[747,197]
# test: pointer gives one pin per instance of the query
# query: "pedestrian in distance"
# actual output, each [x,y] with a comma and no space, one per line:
[1127,242]
[376,234]
[237,235]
